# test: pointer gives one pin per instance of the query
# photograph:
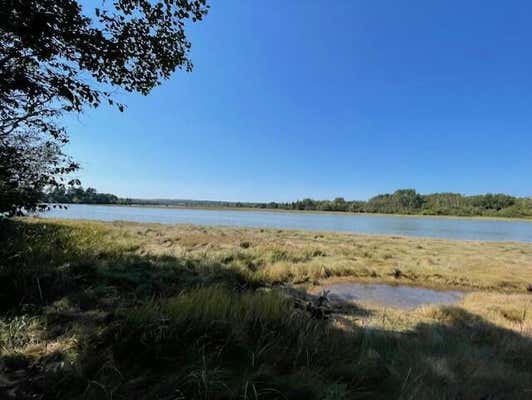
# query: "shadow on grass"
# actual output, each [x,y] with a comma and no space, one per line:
[81,320]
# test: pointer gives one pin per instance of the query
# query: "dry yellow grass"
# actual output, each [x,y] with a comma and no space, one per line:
[298,256]
[120,296]
[498,273]
[509,311]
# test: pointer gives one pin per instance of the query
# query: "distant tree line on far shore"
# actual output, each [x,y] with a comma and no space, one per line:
[78,195]
[403,201]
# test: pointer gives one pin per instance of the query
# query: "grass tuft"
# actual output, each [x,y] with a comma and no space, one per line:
[120,310]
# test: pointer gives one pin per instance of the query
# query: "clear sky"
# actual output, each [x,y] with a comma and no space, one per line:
[293,99]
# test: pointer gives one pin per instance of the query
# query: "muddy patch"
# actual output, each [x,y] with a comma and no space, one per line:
[396,296]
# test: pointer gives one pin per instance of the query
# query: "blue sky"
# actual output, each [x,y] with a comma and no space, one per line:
[293,99]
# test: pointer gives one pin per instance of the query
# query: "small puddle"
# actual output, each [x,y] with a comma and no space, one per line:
[401,297]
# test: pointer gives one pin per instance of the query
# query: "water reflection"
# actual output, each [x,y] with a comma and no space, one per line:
[402,297]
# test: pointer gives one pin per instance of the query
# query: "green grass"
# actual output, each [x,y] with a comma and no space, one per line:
[119,310]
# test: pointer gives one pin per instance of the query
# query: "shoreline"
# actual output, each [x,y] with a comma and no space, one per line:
[262,229]
[279,210]
[301,257]
[156,293]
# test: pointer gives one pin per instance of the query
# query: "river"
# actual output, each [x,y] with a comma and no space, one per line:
[422,226]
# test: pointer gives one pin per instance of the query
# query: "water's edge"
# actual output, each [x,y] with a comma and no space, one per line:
[304,212]
[394,296]
[412,226]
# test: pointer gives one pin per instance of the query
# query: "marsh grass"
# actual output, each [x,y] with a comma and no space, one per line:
[295,256]
[120,310]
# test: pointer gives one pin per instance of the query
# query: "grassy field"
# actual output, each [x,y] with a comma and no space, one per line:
[94,310]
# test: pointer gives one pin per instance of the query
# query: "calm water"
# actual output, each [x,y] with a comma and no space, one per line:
[403,297]
[450,228]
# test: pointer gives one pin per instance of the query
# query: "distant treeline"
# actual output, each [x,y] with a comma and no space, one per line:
[408,201]
[404,201]
[79,195]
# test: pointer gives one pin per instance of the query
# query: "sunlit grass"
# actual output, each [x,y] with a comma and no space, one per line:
[110,310]
[295,256]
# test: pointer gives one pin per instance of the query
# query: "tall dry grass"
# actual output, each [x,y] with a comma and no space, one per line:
[99,311]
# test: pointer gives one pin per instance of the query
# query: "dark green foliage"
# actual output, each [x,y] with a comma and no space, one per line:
[408,201]
[56,57]
[69,195]
[405,201]
[27,166]
[47,44]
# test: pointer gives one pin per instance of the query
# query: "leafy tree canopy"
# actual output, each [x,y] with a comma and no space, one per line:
[57,57]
